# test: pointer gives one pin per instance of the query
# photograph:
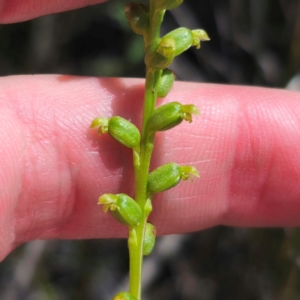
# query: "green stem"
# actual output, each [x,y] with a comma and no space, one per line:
[142,170]
[141,177]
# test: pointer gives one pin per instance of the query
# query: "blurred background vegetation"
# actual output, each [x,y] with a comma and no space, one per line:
[253,42]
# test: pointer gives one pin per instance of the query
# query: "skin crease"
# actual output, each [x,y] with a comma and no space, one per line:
[53,169]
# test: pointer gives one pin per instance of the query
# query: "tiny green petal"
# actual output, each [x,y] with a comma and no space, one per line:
[124,296]
[101,124]
[187,112]
[138,17]
[188,172]
[198,36]
[122,207]
[124,132]
[107,200]
[165,83]
[149,239]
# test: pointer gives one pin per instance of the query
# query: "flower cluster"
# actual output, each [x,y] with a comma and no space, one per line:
[159,54]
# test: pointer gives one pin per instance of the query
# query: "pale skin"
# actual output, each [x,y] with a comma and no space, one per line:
[245,145]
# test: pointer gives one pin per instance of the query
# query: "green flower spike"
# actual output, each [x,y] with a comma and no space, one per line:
[122,207]
[170,115]
[179,40]
[120,129]
[138,17]
[167,4]
[149,239]
[124,296]
[165,83]
[160,52]
[168,176]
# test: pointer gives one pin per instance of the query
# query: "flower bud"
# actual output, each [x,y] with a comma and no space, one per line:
[179,40]
[149,239]
[124,296]
[163,178]
[123,208]
[124,132]
[165,83]
[167,4]
[168,176]
[120,129]
[171,114]
[138,17]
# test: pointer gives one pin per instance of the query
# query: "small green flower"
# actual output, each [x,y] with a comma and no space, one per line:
[165,83]
[120,129]
[138,17]
[179,40]
[149,239]
[168,176]
[170,115]
[122,207]
[101,124]
[124,296]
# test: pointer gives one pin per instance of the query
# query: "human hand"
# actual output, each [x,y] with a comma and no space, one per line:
[53,169]
[12,11]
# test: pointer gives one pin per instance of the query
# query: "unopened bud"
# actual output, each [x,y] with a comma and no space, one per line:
[149,239]
[138,17]
[165,83]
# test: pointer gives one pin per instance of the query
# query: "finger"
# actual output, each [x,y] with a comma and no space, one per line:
[12,11]
[245,146]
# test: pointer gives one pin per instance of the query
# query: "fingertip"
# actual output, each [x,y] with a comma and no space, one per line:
[13,11]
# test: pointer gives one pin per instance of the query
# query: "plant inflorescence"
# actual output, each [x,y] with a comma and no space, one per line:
[133,211]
